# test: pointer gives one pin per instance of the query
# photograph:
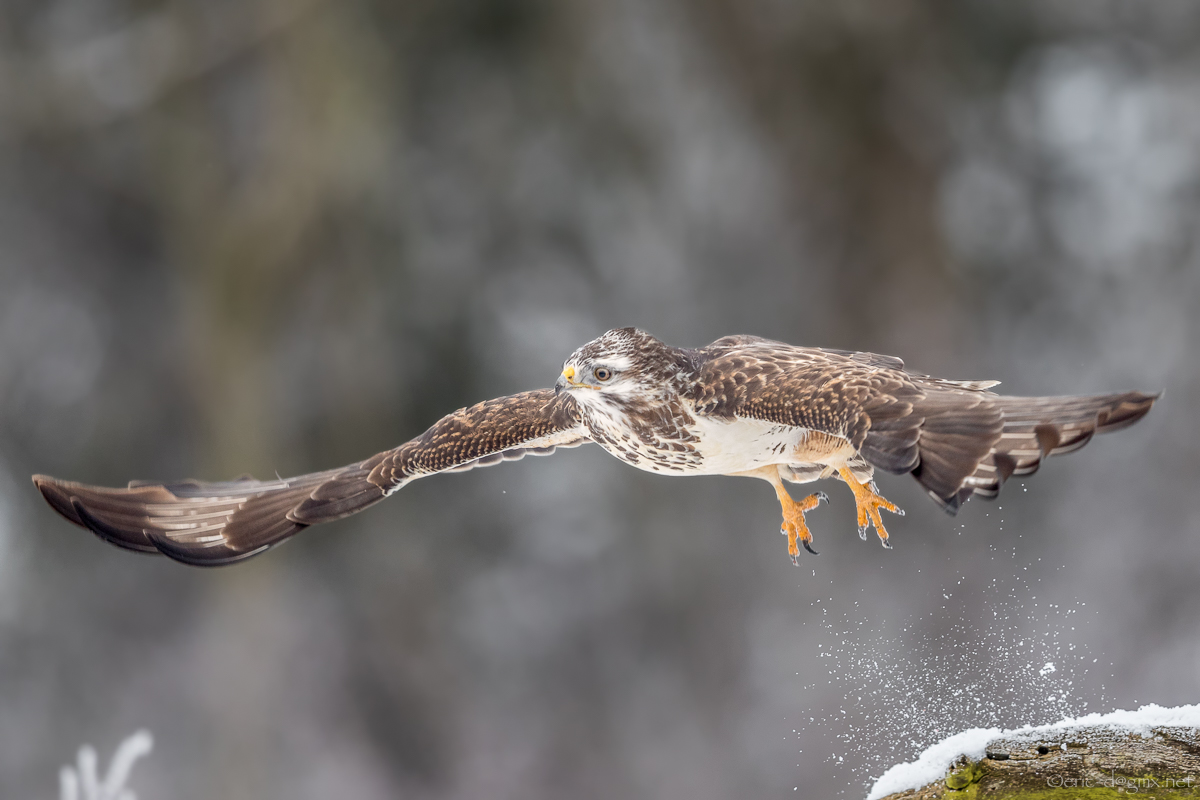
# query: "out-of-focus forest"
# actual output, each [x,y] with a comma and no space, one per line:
[274,237]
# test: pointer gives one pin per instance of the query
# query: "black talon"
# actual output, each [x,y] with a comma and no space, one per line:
[886,545]
[808,547]
[822,496]
[862,533]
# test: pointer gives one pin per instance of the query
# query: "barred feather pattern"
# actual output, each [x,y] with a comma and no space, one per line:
[210,524]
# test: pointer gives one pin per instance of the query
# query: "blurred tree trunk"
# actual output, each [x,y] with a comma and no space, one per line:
[239,232]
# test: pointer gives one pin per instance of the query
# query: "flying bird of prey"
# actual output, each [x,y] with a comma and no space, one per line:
[740,406]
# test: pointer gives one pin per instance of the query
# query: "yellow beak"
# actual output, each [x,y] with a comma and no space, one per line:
[566,379]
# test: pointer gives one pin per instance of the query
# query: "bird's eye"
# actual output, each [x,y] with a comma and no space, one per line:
[602,373]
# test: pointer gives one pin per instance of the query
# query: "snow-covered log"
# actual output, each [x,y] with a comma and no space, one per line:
[1153,751]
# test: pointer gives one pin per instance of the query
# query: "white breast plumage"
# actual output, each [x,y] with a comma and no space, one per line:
[742,445]
[679,441]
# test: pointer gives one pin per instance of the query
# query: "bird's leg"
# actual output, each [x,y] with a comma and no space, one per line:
[869,502]
[793,525]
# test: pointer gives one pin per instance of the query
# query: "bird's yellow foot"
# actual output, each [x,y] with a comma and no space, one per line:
[869,502]
[793,525]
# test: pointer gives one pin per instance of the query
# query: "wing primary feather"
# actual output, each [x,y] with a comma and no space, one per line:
[212,524]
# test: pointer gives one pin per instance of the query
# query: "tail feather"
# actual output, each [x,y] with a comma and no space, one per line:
[971,443]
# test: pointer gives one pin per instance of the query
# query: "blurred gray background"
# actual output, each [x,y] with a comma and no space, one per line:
[265,236]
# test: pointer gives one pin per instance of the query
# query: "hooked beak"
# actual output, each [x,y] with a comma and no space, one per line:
[566,380]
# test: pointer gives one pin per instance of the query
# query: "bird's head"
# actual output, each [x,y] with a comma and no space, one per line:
[623,364]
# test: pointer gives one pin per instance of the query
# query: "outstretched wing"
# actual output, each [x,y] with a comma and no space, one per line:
[804,387]
[208,524]
[955,437]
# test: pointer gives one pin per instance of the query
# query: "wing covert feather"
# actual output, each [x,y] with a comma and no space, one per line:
[804,387]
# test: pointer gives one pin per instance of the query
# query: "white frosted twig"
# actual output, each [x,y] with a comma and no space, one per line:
[84,782]
[68,784]
[130,751]
[89,781]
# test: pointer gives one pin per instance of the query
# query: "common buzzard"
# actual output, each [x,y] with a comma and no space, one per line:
[740,406]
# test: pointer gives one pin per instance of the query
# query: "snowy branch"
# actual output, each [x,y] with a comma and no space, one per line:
[83,781]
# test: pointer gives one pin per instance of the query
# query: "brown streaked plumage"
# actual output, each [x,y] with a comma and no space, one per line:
[740,406]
